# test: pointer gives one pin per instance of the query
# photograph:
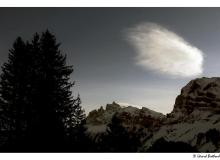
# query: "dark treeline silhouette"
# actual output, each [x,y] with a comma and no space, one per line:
[116,139]
[37,109]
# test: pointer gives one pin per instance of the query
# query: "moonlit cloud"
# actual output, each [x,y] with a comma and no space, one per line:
[164,51]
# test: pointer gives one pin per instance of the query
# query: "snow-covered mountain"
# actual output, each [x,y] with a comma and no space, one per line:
[131,118]
[195,119]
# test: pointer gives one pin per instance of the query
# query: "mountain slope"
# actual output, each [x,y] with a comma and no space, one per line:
[195,118]
[194,123]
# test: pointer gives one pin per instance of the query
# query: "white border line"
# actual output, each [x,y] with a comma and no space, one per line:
[99,156]
[110,3]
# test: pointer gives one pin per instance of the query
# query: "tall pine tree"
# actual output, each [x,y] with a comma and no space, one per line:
[13,88]
[35,95]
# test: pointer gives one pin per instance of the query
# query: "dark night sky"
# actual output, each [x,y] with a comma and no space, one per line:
[95,42]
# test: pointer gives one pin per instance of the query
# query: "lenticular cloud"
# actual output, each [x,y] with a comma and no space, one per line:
[162,50]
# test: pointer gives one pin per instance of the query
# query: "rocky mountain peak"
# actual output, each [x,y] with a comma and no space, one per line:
[129,117]
[201,94]
[113,107]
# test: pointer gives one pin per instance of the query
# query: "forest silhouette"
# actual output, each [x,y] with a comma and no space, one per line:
[37,109]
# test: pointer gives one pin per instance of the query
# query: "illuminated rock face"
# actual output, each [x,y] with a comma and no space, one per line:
[199,94]
[195,117]
[103,116]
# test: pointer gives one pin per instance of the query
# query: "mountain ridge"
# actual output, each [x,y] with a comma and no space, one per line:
[194,118]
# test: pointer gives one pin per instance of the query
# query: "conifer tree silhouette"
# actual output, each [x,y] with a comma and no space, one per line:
[118,139]
[13,85]
[35,96]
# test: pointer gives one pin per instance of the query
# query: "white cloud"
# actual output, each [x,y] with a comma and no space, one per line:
[164,51]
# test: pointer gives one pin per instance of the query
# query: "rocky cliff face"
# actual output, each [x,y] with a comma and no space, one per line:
[103,116]
[196,114]
[200,94]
